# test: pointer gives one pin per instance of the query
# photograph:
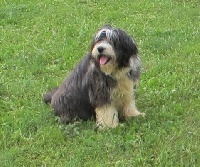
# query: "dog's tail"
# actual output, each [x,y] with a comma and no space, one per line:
[48,96]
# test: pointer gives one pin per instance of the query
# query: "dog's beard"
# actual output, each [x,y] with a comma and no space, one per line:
[105,56]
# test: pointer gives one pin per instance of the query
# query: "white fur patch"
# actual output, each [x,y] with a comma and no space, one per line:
[135,63]
[108,50]
[109,67]
[107,116]
[110,34]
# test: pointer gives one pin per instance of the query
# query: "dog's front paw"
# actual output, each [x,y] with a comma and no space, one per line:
[130,110]
[142,114]
[106,117]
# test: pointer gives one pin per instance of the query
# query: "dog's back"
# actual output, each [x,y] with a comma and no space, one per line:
[70,101]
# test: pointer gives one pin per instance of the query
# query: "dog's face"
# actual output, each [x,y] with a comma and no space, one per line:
[113,49]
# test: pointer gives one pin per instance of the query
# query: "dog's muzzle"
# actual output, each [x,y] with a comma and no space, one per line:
[103,52]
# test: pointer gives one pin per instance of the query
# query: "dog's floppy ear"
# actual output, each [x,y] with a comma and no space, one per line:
[127,48]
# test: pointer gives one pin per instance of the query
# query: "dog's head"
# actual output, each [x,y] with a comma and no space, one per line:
[113,49]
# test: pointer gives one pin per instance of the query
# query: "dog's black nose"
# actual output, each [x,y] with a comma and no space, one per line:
[100,49]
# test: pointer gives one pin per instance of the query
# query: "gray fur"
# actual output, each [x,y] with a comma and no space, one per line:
[87,87]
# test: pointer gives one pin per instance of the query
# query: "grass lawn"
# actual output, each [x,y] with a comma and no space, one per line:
[40,43]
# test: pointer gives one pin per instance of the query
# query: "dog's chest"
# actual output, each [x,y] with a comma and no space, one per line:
[123,92]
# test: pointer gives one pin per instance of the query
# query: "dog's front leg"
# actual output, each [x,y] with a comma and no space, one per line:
[130,110]
[106,116]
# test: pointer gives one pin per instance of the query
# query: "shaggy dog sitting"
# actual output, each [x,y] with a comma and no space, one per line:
[102,84]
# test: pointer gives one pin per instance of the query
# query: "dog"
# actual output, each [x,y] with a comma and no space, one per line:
[103,84]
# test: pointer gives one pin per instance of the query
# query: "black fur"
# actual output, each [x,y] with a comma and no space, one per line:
[87,88]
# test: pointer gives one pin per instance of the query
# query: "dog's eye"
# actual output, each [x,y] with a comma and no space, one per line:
[99,39]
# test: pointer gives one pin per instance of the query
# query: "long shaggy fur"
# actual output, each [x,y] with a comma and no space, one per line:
[102,85]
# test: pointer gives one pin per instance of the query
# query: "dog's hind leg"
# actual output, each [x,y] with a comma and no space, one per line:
[106,116]
[48,96]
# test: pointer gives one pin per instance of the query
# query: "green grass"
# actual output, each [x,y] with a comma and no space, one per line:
[41,41]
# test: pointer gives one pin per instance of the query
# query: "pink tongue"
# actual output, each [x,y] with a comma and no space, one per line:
[103,60]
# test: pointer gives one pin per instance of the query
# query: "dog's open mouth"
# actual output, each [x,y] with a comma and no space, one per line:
[103,59]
